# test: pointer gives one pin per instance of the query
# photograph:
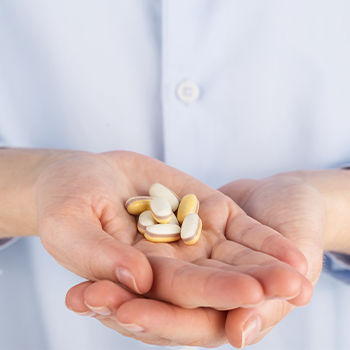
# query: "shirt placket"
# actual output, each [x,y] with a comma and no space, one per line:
[181,85]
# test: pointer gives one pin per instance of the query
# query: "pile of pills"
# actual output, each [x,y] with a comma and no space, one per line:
[157,221]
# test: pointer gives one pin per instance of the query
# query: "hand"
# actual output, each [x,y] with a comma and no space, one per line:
[181,332]
[82,222]
[160,323]
[309,208]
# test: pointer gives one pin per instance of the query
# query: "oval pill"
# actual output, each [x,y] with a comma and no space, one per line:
[137,205]
[158,190]
[161,210]
[189,205]
[145,219]
[174,220]
[163,233]
[191,229]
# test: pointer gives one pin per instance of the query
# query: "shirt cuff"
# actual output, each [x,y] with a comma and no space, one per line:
[337,265]
[6,242]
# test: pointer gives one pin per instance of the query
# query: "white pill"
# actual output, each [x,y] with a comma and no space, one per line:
[162,233]
[174,220]
[161,210]
[145,219]
[191,229]
[158,190]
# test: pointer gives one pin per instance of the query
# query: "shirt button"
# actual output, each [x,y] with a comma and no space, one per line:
[188,91]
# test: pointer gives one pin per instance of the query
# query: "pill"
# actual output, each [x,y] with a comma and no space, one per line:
[158,190]
[174,221]
[137,205]
[145,219]
[191,229]
[162,233]
[161,210]
[189,204]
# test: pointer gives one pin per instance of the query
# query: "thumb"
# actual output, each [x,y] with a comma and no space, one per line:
[83,247]
[237,190]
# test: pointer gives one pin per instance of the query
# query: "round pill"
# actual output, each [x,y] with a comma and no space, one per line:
[137,205]
[158,190]
[163,233]
[189,204]
[191,229]
[161,210]
[145,219]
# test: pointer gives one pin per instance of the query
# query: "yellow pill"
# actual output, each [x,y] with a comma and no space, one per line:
[145,219]
[163,233]
[137,205]
[189,204]
[191,229]
[161,210]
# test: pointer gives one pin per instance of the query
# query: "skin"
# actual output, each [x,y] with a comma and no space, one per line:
[308,208]
[75,202]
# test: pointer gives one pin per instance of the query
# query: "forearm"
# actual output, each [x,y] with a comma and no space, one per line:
[19,171]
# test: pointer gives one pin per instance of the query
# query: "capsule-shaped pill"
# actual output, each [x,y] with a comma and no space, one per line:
[145,219]
[163,233]
[189,204]
[174,220]
[137,205]
[161,210]
[158,190]
[191,229]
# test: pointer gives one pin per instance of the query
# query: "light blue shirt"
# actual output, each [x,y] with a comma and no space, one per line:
[269,86]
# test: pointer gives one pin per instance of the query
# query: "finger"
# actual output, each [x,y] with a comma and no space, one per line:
[239,190]
[195,327]
[278,279]
[147,320]
[75,299]
[85,249]
[248,326]
[79,211]
[306,204]
[103,297]
[100,297]
[189,285]
[249,232]
[100,300]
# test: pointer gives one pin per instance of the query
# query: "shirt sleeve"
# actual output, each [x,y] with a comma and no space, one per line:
[6,242]
[337,265]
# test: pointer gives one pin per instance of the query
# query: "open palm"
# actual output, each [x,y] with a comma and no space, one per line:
[219,271]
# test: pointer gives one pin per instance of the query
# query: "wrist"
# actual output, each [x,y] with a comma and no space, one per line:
[334,187]
[19,172]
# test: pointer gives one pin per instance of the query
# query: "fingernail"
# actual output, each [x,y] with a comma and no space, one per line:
[86,313]
[103,310]
[251,329]
[125,277]
[132,327]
